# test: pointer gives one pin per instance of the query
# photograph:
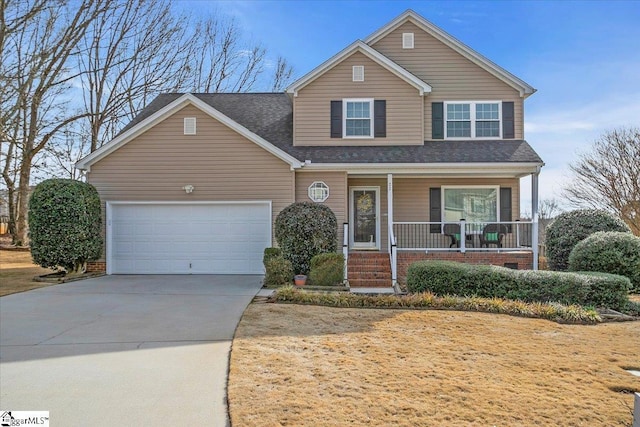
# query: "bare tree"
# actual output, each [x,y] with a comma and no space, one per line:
[548,209]
[220,61]
[608,176]
[37,55]
[282,75]
[14,15]
[134,51]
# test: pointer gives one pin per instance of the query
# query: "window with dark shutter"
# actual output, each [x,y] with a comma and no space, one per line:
[336,119]
[508,121]
[435,211]
[505,205]
[437,120]
[380,118]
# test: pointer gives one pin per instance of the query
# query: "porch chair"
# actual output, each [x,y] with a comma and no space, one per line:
[453,232]
[492,234]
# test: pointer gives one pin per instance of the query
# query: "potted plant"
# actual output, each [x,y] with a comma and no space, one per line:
[300,279]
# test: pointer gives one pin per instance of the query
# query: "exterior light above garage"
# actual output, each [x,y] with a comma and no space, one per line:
[188,188]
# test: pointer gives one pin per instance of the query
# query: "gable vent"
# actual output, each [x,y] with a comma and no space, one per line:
[407,40]
[358,73]
[189,125]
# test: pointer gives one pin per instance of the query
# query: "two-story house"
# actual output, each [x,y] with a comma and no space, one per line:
[413,139]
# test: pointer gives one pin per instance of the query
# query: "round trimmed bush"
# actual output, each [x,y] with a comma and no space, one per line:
[609,252]
[569,228]
[65,224]
[303,230]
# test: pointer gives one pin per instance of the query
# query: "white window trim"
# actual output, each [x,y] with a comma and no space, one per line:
[358,73]
[312,187]
[408,40]
[491,187]
[344,118]
[472,115]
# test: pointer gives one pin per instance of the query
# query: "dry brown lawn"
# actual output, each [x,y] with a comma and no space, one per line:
[17,272]
[317,366]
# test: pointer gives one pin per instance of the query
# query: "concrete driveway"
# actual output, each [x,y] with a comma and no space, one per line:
[123,350]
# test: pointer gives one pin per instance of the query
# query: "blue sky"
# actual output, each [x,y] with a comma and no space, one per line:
[583,57]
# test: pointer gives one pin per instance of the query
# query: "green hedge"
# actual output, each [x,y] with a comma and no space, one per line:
[327,269]
[279,272]
[609,252]
[583,288]
[270,253]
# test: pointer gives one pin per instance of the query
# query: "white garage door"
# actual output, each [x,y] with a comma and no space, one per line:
[220,238]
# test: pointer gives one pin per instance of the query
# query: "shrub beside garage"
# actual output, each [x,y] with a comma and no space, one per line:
[65,224]
[303,230]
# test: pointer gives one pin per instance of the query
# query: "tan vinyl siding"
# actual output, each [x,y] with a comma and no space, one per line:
[338,196]
[411,195]
[451,76]
[312,105]
[382,183]
[218,162]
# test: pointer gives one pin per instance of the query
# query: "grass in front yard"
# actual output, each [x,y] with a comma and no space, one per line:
[307,366]
[17,272]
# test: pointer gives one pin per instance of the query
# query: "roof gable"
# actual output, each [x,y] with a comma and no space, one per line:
[369,52]
[131,132]
[447,39]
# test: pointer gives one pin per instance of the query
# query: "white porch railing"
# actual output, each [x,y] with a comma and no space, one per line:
[345,248]
[477,236]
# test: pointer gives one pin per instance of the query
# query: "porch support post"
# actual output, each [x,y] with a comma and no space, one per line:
[534,217]
[390,203]
[391,239]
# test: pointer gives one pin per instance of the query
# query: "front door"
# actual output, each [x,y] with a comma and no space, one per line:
[365,217]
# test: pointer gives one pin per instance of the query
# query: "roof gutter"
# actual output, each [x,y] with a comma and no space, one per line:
[522,168]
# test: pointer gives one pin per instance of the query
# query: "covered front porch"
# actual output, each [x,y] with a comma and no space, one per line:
[470,215]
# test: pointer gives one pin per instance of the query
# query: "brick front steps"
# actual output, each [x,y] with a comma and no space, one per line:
[369,270]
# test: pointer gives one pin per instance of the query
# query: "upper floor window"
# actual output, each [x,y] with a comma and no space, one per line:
[358,118]
[473,119]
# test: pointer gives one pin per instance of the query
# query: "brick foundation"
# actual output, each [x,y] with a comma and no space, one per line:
[96,267]
[524,260]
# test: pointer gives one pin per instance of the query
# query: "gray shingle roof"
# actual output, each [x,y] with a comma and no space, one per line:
[270,116]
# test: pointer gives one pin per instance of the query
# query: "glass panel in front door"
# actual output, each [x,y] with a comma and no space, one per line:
[364,209]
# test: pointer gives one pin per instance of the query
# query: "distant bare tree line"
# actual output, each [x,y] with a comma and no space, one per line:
[73,73]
